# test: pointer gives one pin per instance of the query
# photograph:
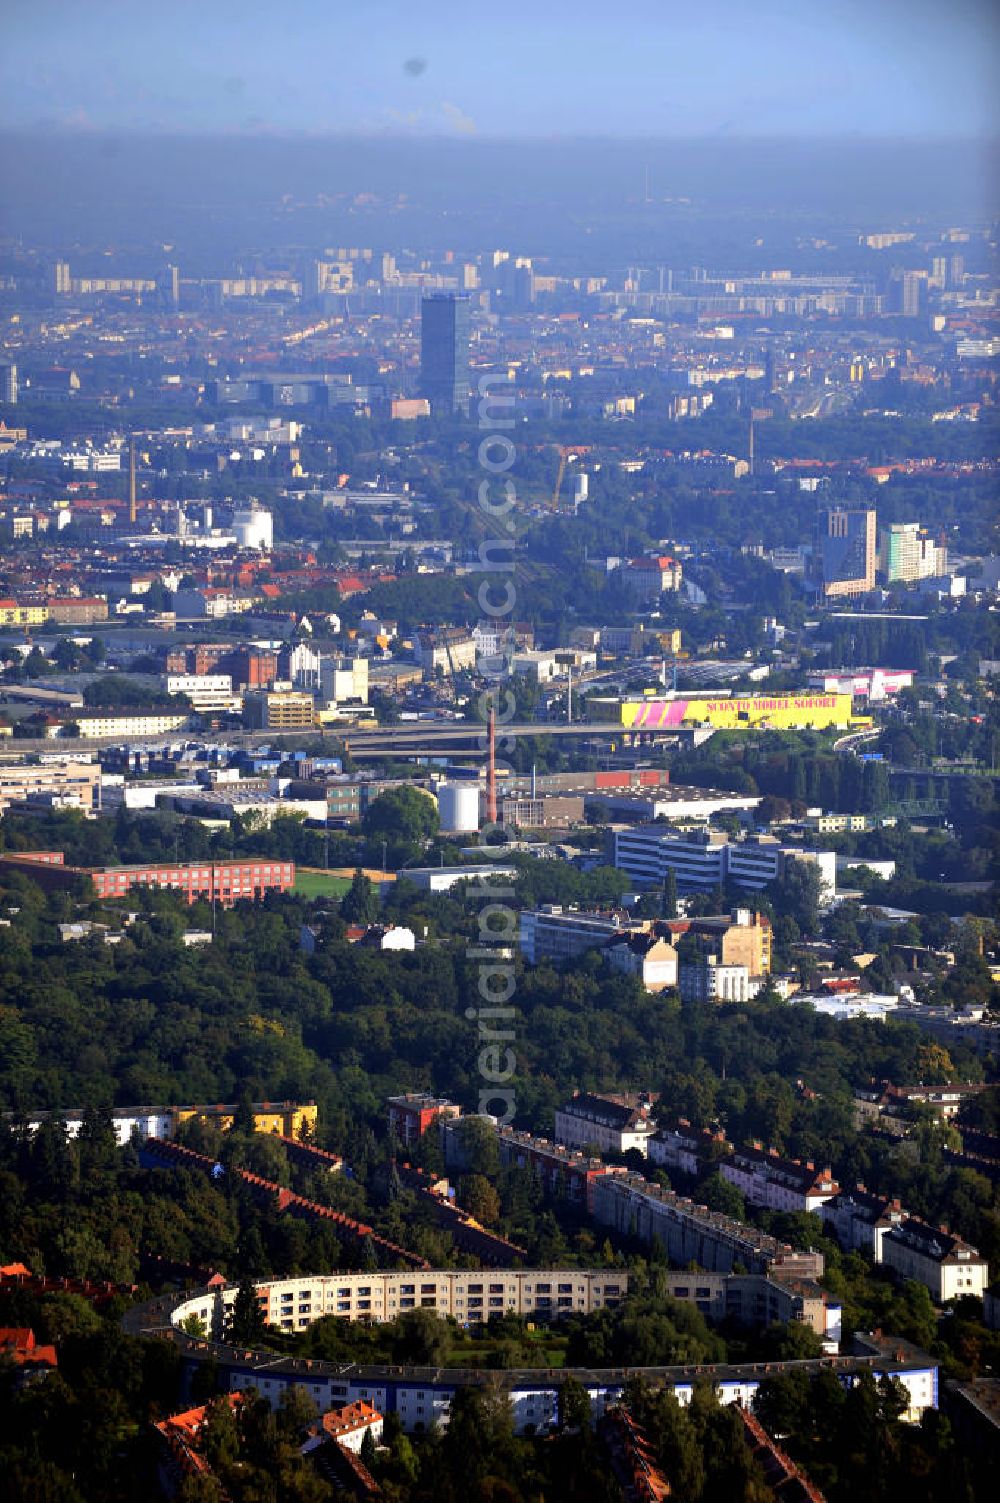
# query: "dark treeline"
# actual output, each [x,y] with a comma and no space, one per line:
[149,1020]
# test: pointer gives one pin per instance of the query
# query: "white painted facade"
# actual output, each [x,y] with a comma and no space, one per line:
[712,981]
[468,1296]
[206,691]
[777,1184]
[655,965]
[947,1266]
[586,1121]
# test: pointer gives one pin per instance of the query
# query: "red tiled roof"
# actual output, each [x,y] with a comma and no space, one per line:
[352,1417]
[188,1423]
[17,1343]
[17,1338]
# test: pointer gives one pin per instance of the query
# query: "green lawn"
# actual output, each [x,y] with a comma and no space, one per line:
[311,883]
[541,1349]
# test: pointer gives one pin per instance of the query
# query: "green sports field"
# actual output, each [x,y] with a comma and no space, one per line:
[312,883]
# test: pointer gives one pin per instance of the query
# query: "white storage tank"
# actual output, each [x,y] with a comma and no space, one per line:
[458,806]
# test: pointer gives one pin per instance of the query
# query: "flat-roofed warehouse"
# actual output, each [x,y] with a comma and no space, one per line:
[671,802]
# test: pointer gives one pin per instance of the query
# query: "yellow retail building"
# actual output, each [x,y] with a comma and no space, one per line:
[782,712]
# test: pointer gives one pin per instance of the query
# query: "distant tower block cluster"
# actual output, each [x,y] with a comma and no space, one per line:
[166,285]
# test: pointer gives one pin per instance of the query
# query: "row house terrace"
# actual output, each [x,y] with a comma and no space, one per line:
[778,1184]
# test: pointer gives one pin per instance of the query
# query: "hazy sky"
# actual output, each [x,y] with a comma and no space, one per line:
[520,68]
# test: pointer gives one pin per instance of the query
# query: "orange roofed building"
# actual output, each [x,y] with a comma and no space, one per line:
[633,1459]
[18,1346]
[181,1436]
[348,1426]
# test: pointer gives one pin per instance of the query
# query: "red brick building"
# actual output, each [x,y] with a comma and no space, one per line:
[410,1116]
[251,667]
[226,881]
[205,657]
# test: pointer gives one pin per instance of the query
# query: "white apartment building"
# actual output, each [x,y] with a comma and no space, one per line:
[71,783]
[423,1397]
[943,1262]
[754,862]
[778,1184]
[51,455]
[212,603]
[884,869]
[906,553]
[610,1124]
[651,959]
[343,679]
[206,691]
[866,683]
[143,795]
[331,679]
[144,1121]
[758,860]
[647,854]
[555,933]
[684,1147]
[469,1296]
[860,1219]
[825,863]
[837,824]
[131,723]
[491,639]
[709,980]
[704,860]
[385,937]
[272,430]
